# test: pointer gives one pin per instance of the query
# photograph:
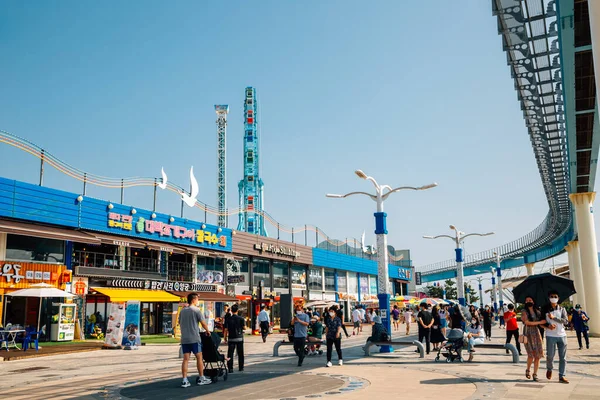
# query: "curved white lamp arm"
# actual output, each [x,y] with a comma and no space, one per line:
[342,196]
[440,236]
[374,182]
[476,234]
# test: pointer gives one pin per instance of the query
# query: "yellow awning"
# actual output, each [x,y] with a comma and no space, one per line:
[151,296]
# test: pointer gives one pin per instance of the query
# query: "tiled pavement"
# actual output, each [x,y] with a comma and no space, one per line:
[152,372]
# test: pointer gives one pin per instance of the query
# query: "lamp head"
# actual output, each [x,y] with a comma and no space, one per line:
[334,196]
[431,185]
[360,174]
[427,237]
[452,227]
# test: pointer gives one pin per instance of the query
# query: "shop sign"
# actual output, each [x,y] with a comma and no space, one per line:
[404,273]
[80,286]
[277,250]
[12,272]
[141,225]
[115,325]
[20,273]
[210,277]
[418,278]
[162,285]
[235,279]
[131,333]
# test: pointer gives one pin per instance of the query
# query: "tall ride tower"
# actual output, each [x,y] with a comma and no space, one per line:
[222,111]
[251,187]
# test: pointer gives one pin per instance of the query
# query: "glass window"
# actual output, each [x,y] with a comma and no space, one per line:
[261,272]
[280,275]
[352,283]
[373,284]
[342,282]
[28,248]
[364,284]
[329,280]
[210,270]
[315,279]
[298,277]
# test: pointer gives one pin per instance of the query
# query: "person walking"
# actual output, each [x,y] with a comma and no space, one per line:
[443,313]
[501,312]
[407,319]
[339,312]
[189,319]
[556,337]
[425,321]
[512,327]
[396,317]
[264,322]
[487,314]
[234,328]
[363,316]
[301,322]
[437,338]
[579,320]
[356,318]
[532,323]
[333,336]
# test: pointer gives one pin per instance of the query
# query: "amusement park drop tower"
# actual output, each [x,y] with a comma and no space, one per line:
[251,186]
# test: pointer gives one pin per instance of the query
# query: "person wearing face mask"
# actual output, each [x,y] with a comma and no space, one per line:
[315,335]
[379,333]
[475,335]
[487,316]
[556,337]
[533,321]
[334,337]
[301,322]
[579,320]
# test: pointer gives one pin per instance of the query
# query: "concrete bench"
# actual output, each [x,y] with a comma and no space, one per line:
[508,346]
[280,343]
[396,343]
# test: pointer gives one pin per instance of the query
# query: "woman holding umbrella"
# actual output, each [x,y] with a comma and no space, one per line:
[533,320]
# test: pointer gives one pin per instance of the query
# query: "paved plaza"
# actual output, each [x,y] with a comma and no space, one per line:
[152,372]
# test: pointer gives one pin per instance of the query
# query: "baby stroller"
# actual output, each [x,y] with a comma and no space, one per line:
[214,361]
[452,348]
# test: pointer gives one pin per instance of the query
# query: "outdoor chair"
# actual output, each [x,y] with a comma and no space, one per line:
[31,339]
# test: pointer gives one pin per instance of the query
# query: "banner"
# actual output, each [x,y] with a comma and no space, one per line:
[131,334]
[114,325]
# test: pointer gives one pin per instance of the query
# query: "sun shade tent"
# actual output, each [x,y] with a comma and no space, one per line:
[124,295]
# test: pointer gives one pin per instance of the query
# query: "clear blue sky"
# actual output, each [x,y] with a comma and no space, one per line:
[410,92]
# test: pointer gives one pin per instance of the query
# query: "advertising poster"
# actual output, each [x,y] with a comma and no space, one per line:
[131,334]
[115,324]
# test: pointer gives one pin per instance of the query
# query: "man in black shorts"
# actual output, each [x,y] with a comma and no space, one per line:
[189,318]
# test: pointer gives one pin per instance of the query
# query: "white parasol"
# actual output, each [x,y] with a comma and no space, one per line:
[40,290]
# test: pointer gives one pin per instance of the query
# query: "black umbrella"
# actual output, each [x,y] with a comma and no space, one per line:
[538,286]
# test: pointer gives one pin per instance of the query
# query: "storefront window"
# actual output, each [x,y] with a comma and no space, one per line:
[298,277]
[352,283]
[329,280]
[315,279]
[261,273]
[364,285]
[209,270]
[280,275]
[28,248]
[342,282]
[373,284]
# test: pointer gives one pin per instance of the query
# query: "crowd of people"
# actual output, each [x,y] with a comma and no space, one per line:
[308,327]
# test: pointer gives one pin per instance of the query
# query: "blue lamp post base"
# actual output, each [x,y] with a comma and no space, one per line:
[384,313]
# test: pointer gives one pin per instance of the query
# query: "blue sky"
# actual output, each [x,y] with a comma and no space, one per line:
[410,92]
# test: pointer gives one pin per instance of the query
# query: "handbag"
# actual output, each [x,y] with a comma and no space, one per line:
[523,339]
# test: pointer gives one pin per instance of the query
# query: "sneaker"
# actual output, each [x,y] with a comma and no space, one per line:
[185,383]
[341,362]
[200,381]
[580,347]
[329,364]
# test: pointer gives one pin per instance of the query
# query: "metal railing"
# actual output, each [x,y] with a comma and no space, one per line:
[112,261]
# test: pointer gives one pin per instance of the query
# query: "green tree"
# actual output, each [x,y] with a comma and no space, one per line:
[471,294]
[437,292]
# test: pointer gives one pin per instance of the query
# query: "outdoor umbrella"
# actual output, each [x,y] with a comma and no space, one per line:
[40,290]
[538,286]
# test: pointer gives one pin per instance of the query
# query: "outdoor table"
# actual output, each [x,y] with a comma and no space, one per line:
[12,337]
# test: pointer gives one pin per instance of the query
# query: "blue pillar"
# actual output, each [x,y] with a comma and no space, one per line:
[495,303]
[384,313]
[358,286]
[69,255]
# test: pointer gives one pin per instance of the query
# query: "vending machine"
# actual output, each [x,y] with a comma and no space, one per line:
[63,322]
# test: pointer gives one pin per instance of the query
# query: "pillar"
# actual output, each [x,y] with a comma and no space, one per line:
[588,252]
[575,272]
[3,237]
[530,268]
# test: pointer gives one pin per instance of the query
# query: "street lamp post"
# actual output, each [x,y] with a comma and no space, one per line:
[494,296]
[458,239]
[382,192]
[499,274]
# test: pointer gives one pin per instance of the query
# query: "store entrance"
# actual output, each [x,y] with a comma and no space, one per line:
[152,318]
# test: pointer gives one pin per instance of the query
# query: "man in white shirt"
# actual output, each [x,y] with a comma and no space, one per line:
[408,319]
[363,317]
[264,321]
[556,337]
[356,320]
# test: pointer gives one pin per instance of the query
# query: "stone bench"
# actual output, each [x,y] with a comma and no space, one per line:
[280,343]
[508,346]
[396,343]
